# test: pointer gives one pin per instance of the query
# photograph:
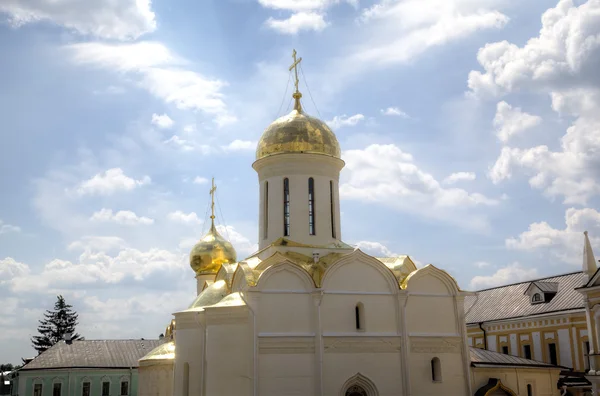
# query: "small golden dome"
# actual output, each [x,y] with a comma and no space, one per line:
[211,252]
[298,132]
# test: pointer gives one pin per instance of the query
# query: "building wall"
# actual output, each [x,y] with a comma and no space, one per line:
[543,381]
[156,380]
[72,381]
[568,331]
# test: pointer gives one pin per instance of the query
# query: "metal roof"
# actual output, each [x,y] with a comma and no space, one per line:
[551,287]
[509,301]
[482,357]
[93,354]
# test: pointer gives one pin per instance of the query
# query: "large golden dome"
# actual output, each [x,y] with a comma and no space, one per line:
[298,132]
[211,252]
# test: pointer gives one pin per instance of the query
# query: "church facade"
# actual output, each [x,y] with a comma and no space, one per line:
[307,314]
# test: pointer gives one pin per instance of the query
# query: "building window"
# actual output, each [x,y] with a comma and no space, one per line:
[56,388]
[436,370]
[586,358]
[527,351]
[105,388]
[332,206]
[537,297]
[286,207]
[356,390]
[505,349]
[85,389]
[359,314]
[311,206]
[186,379]
[529,390]
[552,354]
[124,388]
[37,390]
[266,218]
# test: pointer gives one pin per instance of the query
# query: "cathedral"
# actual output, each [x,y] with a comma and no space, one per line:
[308,314]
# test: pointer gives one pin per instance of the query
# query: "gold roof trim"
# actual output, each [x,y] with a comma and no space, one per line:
[164,353]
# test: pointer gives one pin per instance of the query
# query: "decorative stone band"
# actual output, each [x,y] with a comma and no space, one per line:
[434,345]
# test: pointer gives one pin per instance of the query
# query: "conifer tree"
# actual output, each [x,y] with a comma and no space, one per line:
[55,325]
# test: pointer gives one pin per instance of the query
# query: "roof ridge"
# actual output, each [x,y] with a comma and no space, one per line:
[529,281]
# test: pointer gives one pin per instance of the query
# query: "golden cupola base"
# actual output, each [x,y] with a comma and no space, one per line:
[298,132]
[212,251]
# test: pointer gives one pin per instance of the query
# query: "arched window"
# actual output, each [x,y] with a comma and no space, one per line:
[356,390]
[266,217]
[537,297]
[332,207]
[85,388]
[186,379]
[286,207]
[57,388]
[529,390]
[436,370]
[124,386]
[359,313]
[311,206]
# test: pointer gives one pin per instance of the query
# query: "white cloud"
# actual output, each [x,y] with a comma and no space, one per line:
[510,274]
[394,111]
[376,249]
[343,120]
[110,90]
[123,20]
[8,228]
[481,264]
[561,62]
[243,246]
[395,32]
[239,145]
[302,5]
[98,243]
[459,176]
[124,217]
[109,182]
[162,121]
[11,269]
[200,180]
[182,144]
[184,218]
[510,121]
[386,174]
[159,71]
[566,244]
[297,22]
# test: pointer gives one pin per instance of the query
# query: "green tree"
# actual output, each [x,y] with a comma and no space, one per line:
[6,367]
[55,325]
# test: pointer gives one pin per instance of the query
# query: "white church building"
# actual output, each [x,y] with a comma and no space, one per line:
[307,314]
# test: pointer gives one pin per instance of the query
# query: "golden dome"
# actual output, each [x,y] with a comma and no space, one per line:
[298,132]
[211,252]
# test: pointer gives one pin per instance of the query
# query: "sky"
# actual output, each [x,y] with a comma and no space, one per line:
[469,128]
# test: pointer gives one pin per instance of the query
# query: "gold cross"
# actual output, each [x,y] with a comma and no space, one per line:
[212,199]
[295,67]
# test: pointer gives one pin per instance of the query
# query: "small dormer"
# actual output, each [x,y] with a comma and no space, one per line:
[541,292]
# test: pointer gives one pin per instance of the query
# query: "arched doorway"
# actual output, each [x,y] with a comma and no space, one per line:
[495,387]
[359,385]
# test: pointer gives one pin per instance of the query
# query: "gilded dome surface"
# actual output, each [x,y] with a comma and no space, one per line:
[298,132]
[211,252]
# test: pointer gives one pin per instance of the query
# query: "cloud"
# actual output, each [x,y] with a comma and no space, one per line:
[394,32]
[184,218]
[376,249]
[561,62]
[240,145]
[386,174]
[481,264]
[200,180]
[121,20]
[162,121]
[8,228]
[564,244]
[160,72]
[11,269]
[298,22]
[124,217]
[302,5]
[394,111]
[512,273]
[110,90]
[343,120]
[510,121]
[459,176]
[243,246]
[98,243]
[109,182]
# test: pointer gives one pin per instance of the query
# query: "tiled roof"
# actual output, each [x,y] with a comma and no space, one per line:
[509,301]
[93,353]
[482,357]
